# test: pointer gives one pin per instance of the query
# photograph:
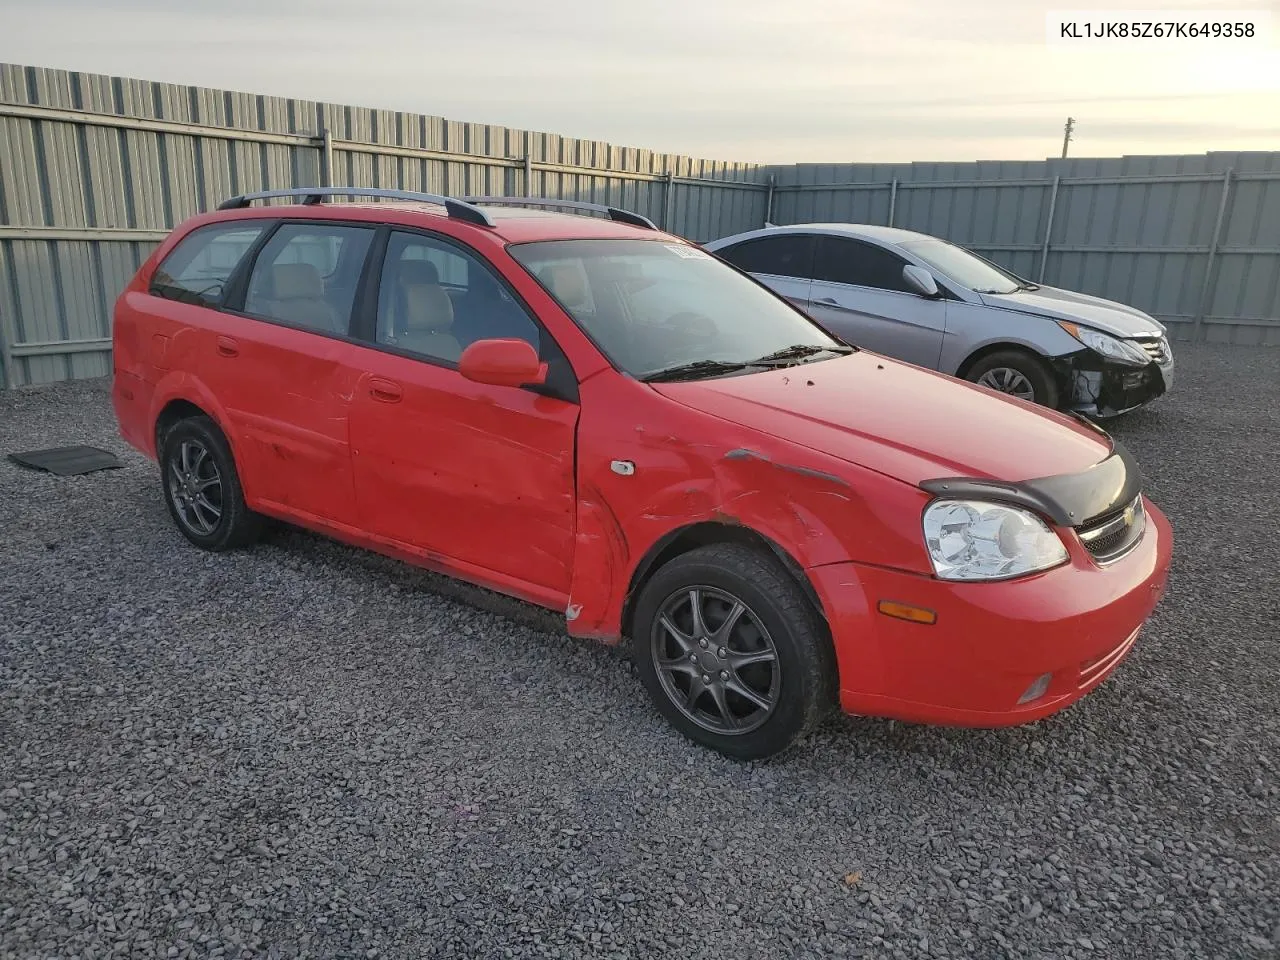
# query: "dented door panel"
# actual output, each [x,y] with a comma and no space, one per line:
[288,396]
[475,474]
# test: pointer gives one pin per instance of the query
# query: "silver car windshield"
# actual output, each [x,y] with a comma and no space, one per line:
[662,310]
[962,266]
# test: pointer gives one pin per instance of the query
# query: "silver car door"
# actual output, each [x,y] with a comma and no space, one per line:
[858,294]
[781,261]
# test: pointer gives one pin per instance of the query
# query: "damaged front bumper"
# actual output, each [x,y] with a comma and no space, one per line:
[1097,387]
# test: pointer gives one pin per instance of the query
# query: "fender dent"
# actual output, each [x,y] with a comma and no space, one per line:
[745,488]
[741,453]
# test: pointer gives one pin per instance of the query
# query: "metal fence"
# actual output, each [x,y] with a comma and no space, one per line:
[95,170]
[1192,240]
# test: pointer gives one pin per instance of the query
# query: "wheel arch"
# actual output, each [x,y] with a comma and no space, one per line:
[1058,373]
[996,346]
[174,411]
[691,536]
[180,395]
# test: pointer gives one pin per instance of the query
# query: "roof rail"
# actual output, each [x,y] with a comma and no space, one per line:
[458,209]
[622,216]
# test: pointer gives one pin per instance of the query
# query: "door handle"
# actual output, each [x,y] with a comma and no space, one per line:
[228,347]
[385,391]
[827,301]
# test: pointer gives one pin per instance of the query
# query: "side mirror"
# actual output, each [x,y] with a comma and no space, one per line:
[502,363]
[920,280]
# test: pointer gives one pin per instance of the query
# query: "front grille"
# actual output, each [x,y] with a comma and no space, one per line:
[1157,348]
[1109,538]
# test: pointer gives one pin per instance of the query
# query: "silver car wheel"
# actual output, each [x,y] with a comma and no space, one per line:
[1010,381]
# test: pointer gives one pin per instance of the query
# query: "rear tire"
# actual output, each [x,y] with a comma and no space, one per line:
[753,671]
[1018,373]
[202,487]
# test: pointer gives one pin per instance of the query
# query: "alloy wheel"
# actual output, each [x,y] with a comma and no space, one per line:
[716,660]
[195,487]
[1010,381]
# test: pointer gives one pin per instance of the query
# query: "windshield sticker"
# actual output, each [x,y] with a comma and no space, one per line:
[689,253]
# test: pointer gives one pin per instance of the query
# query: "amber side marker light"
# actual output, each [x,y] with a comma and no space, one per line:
[905,611]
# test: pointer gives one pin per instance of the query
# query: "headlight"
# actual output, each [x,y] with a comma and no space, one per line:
[1110,347]
[973,540]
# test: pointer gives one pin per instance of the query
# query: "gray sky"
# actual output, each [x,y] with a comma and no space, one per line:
[764,80]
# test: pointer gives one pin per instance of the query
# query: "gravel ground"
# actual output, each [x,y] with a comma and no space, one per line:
[306,750]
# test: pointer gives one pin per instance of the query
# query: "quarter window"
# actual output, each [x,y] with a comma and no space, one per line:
[198,268]
[306,276]
[783,255]
[842,260]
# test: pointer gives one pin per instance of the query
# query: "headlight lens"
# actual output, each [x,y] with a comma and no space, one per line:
[973,540]
[1110,347]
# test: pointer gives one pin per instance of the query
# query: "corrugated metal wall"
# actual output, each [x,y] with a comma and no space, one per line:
[1193,240]
[95,170]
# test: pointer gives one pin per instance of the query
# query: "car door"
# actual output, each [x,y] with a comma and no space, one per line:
[286,386]
[480,476]
[781,261]
[858,293]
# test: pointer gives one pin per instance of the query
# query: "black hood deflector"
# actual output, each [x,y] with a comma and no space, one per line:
[1069,499]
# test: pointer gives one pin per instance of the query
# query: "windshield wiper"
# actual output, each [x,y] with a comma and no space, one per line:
[781,357]
[694,369]
[798,351]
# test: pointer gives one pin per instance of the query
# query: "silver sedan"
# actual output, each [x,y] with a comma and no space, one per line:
[935,304]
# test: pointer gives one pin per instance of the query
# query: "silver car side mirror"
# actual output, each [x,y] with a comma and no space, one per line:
[920,280]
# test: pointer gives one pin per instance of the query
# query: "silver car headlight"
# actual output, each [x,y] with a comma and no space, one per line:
[975,540]
[1122,351]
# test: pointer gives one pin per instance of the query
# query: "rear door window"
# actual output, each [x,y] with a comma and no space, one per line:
[843,260]
[306,276]
[198,268]
[784,255]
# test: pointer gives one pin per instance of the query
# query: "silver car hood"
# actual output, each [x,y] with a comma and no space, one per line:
[1105,315]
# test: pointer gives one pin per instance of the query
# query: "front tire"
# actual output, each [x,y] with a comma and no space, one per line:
[1018,373]
[731,651]
[202,487]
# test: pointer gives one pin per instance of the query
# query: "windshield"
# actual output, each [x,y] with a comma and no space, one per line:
[656,308]
[963,267]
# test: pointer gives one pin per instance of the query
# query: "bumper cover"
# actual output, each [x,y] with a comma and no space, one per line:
[991,641]
[131,401]
[1096,386]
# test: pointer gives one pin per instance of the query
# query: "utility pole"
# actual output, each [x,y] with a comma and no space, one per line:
[1066,135]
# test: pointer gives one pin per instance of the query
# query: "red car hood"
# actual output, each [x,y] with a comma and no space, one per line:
[899,420]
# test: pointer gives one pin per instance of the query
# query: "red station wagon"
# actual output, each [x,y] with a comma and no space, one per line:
[604,419]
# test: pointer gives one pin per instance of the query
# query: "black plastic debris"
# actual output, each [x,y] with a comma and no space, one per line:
[68,461]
